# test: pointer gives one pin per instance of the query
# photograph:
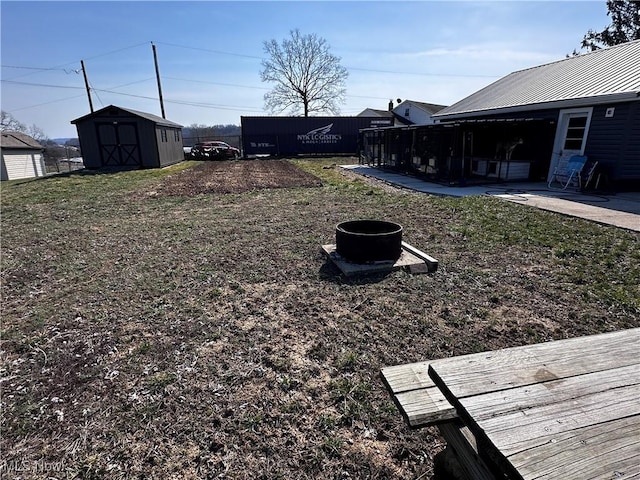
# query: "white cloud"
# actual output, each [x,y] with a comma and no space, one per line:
[485,52]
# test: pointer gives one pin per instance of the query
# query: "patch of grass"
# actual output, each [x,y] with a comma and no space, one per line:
[163,325]
[332,446]
[85,185]
[327,422]
[348,388]
[327,170]
[159,381]
[347,361]
[143,348]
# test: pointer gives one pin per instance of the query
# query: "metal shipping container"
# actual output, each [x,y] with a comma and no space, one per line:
[283,136]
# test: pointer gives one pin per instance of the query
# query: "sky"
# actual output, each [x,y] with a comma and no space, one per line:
[210,52]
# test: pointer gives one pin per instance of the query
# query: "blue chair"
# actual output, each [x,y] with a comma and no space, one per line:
[569,173]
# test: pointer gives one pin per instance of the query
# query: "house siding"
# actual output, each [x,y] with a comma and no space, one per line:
[415,115]
[614,142]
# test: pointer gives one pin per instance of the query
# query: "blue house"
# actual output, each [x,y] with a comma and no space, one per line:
[587,105]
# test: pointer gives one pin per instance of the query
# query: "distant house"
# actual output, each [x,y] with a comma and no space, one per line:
[408,112]
[387,117]
[22,156]
[587,104]
[417,113]
[121,137]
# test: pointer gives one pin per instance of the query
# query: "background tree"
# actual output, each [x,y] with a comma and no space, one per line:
[37,134]
[52,153]
[195,133]
[625,26]
[9,123]
[308,77]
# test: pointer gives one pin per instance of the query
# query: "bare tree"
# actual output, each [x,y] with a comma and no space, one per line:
[36,133]
[308,78]
[9,123]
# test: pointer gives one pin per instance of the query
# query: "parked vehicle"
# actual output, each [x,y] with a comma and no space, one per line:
[214,151]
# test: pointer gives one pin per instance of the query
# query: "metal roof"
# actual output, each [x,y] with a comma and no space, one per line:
[12,139]
[147,116]
[610,74]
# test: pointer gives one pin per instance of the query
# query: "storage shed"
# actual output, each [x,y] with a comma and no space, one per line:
[121,137]
[22,156]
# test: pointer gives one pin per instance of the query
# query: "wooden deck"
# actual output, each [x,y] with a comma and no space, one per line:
[566,410]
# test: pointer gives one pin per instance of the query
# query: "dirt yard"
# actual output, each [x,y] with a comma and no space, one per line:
[184,324]
[236,177]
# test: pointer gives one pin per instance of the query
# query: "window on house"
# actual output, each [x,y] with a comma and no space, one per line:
[575,133]
[177,135]
[406,112]
[163,135]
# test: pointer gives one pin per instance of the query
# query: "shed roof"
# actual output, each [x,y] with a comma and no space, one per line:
[148,116]
[11,139]
[610,74]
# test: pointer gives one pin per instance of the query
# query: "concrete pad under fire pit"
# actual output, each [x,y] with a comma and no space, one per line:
[411,259]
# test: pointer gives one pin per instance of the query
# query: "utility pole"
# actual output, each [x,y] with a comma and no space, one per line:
[86,84]
[155,60]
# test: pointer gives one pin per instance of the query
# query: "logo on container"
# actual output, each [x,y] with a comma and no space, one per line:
[320,135]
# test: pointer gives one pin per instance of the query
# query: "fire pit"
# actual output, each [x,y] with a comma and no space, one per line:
[364,241]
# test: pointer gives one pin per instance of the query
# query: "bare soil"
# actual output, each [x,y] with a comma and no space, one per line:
[236,177]
[186,325]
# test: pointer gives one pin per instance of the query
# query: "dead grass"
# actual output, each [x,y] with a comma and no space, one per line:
[198,334]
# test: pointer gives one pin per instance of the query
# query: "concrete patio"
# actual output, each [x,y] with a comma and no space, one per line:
[620,209]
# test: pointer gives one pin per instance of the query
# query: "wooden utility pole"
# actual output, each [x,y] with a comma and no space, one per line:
[86,84]
[155,60]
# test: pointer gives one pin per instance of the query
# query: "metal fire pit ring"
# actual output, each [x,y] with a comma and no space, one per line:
[364,241]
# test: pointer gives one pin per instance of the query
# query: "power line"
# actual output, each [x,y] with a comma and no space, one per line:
[38,84]
[116,51]
[70,98]
[220,52]
[235,85]
[46,103]
[42,69]
[181,102]
[60,67]
[195,104]
[169,78]
[216,83]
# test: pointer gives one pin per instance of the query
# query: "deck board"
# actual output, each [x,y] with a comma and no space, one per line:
[604,451]
[522,402]
[566,410]
[418,399]
[532,364]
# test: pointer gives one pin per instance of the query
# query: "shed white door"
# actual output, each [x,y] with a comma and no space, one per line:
[571,137]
